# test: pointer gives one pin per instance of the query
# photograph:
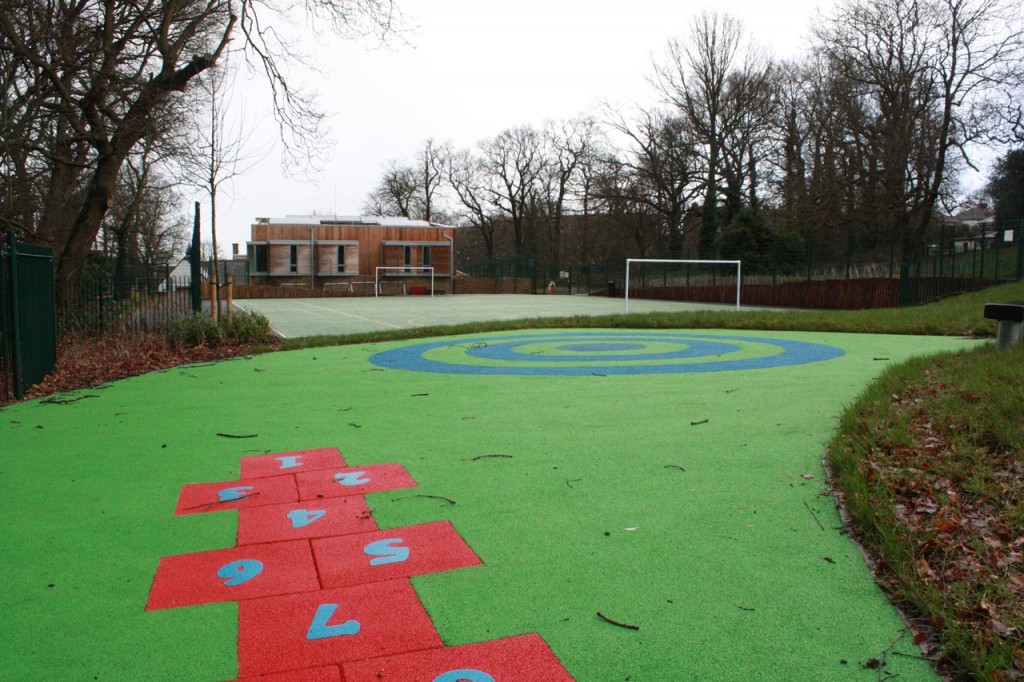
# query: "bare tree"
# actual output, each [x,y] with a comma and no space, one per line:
[694,79]
[570,147]
[396,192]
[665,168]
[472,187]
[214,150]
[430,170]
[110,69]
[516,161]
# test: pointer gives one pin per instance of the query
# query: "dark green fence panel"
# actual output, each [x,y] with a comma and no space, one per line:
[30,328]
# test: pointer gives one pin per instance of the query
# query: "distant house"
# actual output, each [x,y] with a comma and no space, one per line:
[348,252]
[977,228]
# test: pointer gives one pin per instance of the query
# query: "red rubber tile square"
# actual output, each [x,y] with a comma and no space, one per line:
[352,481]
[391,554]
[279,463]
[328,674]
[196,498]
[301,631]
[233,574]
[310,519]
[526,658]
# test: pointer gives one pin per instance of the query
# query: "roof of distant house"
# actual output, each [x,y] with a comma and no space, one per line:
[979,213]
[383,221]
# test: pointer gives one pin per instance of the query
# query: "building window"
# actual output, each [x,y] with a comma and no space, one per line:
[408,258]
[293,258]
[261,257]
[426,256]
[341,258]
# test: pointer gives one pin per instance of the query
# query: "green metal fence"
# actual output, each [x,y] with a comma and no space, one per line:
[28,328]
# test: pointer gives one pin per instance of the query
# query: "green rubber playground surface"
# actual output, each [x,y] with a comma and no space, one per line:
[311,316]
[687,502]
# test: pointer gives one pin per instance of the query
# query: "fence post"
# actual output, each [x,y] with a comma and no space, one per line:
[214,297]
[15,312]
[1019,236]
[230,297]
[196,284]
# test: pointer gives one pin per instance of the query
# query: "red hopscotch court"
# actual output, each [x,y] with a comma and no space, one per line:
[320,586]
[301,631]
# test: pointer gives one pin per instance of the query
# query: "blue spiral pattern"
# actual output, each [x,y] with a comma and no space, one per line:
[574,353]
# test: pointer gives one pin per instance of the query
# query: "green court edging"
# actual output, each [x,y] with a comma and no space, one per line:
[615,496]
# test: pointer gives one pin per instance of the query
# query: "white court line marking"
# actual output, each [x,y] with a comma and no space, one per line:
[273,329]
[355,317]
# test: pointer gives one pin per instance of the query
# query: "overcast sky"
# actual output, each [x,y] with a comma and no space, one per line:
[471,69]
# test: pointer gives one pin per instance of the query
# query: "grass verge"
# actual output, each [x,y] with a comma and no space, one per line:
[929,463]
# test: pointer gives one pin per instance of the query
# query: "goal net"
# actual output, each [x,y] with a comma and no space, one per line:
[382,282]
[712,278]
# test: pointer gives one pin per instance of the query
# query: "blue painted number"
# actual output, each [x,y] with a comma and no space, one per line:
[289,462]
[464,675]
[319,629]
[304,517]
[353,478]
[232,494]
[241,571]
[385,553]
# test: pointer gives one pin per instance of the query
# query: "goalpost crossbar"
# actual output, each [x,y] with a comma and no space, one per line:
[407,269]
[738,264]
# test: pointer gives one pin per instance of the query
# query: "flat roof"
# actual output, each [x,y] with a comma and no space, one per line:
[383,221]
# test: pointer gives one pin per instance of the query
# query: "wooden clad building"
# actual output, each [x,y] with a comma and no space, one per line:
[342,251]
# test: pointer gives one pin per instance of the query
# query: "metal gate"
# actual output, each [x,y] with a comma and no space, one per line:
[28,328]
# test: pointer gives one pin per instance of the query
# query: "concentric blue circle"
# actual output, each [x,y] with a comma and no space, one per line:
[573,353]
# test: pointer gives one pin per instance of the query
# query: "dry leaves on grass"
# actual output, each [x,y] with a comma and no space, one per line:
[89,361]
[959,524]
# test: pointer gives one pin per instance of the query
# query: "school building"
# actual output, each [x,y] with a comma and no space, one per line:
[352,253]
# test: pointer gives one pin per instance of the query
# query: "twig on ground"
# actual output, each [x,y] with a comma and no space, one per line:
[479,457]
[628,626]
[432,497]
[236,435]
[816,519]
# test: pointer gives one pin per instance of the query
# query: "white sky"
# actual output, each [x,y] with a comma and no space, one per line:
[474,68]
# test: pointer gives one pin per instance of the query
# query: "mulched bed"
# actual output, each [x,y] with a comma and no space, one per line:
[89,361]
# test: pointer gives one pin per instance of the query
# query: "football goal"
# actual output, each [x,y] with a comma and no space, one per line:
[403,269]
[682,277]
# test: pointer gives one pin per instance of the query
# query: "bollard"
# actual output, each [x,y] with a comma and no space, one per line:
[1010,317]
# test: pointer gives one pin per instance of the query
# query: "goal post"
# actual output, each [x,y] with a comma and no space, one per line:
[405,269]
[738,264]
